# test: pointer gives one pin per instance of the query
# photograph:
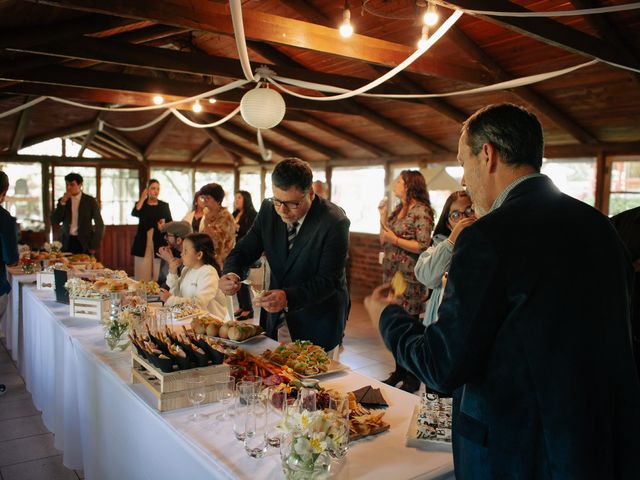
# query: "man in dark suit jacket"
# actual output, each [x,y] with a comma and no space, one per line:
[79,213]
[533,333]
[305,239]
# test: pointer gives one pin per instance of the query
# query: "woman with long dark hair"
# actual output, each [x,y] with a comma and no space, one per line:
[244,214]
[198,280]
[457,214]
[404,234]
[152,214]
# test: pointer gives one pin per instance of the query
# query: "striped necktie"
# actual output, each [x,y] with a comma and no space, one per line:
[292,231]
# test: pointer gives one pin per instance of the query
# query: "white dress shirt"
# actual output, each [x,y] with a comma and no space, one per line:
[75,202]
[200,285]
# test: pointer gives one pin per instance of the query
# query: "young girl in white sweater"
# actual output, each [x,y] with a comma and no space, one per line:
[199,279]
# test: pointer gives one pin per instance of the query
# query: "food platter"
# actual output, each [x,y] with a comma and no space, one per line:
[334,367]
[416,441]
[241,342]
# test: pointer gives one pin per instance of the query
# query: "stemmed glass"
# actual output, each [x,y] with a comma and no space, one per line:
[196,395]
[226,394]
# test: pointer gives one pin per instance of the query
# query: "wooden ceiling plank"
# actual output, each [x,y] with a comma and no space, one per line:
[241,151]
[214,17]
[167,126]
[547,108]
[21,129]
[96,148]
[106,139]
[202,152]
[102,146]
[548,31]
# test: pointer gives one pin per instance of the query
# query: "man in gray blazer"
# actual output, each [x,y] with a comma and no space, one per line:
[79,213]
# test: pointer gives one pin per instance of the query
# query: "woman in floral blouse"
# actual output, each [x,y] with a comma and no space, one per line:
[217,222]
[404,235]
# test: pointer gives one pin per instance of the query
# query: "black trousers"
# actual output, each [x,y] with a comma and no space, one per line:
[74,245]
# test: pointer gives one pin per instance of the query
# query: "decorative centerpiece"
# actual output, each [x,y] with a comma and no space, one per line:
[116,333]
[310,440]
[28,265]
[53,247]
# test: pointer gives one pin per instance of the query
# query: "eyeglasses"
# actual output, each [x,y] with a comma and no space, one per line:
[289,205]
[456,215]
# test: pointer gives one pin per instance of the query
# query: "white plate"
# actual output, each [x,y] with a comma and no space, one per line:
[233,342]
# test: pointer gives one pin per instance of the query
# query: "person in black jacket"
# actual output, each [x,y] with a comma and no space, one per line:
[82,225]
[153,214]
[305,239]
[244,215]
[533,330]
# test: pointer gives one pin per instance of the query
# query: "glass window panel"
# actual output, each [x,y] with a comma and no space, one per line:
[625,186]
[359,198]
[88,180]
[268,185]
[575,177]
[73,149]
[224,179]
[250,181]
[118,194]
[176,189]
[51,147]
[24,197]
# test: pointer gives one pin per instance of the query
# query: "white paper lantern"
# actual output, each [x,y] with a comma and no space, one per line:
[262,108]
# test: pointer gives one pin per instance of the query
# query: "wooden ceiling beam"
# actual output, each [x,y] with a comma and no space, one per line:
[94,147]
[89,24]
[544,106]
[70,131]
[89,137]
[102,146]
[609,33]
[344,135]
[305,141]
[216,17]
[548,31]
[358,107]
[74,77]
[168,125]
[124,141]
[250,137]
[21,129]
[102,138]
[202,152]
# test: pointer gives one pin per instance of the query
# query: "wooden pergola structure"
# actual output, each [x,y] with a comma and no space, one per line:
[125,52]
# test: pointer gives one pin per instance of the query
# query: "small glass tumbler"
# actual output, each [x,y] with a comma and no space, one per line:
[255,438]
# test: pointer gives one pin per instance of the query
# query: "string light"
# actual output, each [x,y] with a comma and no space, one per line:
[158,100]
[346,29]
[197,108]
[424,36]
[431,17]
[212,100]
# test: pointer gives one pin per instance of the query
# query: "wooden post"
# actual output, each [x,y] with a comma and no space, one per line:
[46,197]
[328,173]
[600,182]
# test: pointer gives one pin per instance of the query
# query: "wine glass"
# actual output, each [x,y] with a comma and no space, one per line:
[225,389]
[196,395]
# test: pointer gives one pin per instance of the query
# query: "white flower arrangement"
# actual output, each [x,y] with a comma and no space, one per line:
[314,438]
[54,247]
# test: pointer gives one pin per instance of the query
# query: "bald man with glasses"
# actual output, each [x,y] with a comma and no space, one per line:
[306,240]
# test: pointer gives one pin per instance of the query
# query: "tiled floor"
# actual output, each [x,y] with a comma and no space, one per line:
[26,447]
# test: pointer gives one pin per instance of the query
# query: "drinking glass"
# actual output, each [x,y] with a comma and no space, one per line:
[225,390]
[246,392]
[196,395]
[276,410]
[255,438]
[163,317]
[339,402]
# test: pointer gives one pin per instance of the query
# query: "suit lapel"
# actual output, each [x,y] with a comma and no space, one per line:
[280,246]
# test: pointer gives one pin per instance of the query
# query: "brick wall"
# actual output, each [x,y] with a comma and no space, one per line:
[363,270]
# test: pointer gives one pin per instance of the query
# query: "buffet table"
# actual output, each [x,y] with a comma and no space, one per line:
[12,318]
[106,426]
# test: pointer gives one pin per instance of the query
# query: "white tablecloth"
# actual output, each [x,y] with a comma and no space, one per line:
[106,425]
[12,318]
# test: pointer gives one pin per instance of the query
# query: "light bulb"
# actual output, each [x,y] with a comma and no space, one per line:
[346,30]
[212,100]
[158,100]
[431,17]
[196,106]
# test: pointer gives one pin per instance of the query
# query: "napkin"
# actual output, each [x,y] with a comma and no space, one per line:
[370,397]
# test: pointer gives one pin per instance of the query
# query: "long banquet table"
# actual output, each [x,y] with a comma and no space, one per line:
[107,426]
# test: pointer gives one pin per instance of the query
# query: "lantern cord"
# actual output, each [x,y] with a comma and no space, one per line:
[266,155]
[184,119]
